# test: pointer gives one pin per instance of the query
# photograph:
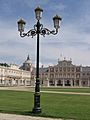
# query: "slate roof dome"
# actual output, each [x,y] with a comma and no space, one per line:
[28,61]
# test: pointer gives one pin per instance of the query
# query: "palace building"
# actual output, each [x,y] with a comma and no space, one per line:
[13,75]
[64,73]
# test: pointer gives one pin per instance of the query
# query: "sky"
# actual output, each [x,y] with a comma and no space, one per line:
[71,42]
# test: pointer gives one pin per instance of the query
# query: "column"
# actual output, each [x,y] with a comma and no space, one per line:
[55,82]
[47,82]
[33,82]
[24,81]
[74,82]
[71,83]
[80,83]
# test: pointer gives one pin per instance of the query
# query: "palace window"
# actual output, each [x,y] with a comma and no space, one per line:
[1,81]
[72,75]
[64,69]
[68,74]
[20,81]
[56,69]
[51,69]
[68,69]
[77,75]
[72,69]
[60,69]
[78,69]
[52,75]
[87,73]
[64,75]
[60,75]
[56,75]
[83,73]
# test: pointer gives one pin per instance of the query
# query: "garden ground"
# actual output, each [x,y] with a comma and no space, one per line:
[66,103]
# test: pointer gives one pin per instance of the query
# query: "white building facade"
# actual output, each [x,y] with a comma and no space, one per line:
[64,74]
[14,76]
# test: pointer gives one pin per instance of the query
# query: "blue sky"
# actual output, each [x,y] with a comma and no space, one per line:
[72,41]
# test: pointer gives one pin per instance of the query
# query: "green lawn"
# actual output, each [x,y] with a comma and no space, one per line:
[76,107]
[81,90]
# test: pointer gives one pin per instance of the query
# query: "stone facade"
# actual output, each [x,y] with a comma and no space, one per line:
[65,74]
[85,76]
[14,76]
[43,75]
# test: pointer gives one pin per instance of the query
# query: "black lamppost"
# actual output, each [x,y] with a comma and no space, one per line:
[38,30]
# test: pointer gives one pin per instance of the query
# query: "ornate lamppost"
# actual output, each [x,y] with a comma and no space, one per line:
[38,30]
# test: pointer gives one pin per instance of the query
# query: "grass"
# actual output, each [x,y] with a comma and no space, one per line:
[67,106]
[79,90]
[15,101]
[76,107]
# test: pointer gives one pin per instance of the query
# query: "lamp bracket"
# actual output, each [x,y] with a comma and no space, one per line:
[42,31]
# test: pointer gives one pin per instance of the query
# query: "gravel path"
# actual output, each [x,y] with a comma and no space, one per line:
[74,93]
[21,88]
[22,117]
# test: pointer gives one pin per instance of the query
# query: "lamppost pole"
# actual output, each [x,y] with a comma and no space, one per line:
[37,108]
[37,65]
[38,30]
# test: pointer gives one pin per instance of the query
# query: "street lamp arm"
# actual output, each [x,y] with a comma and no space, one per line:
[31,33]
[43,31]
[46,31]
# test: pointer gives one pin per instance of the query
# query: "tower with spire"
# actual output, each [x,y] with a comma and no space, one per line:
[28,57]
[27,65]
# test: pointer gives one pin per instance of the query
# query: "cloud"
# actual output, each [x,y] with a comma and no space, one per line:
[35,3]
[57,7]
[73,39]
[13,46]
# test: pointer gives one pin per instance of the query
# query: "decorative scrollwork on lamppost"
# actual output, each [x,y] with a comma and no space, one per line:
[38,30]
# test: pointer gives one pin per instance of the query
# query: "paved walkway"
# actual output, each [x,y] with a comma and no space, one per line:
[74,93]
[21,88]
[22,117]
[18,88]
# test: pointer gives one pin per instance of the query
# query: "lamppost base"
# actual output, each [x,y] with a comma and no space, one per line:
[36,110]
